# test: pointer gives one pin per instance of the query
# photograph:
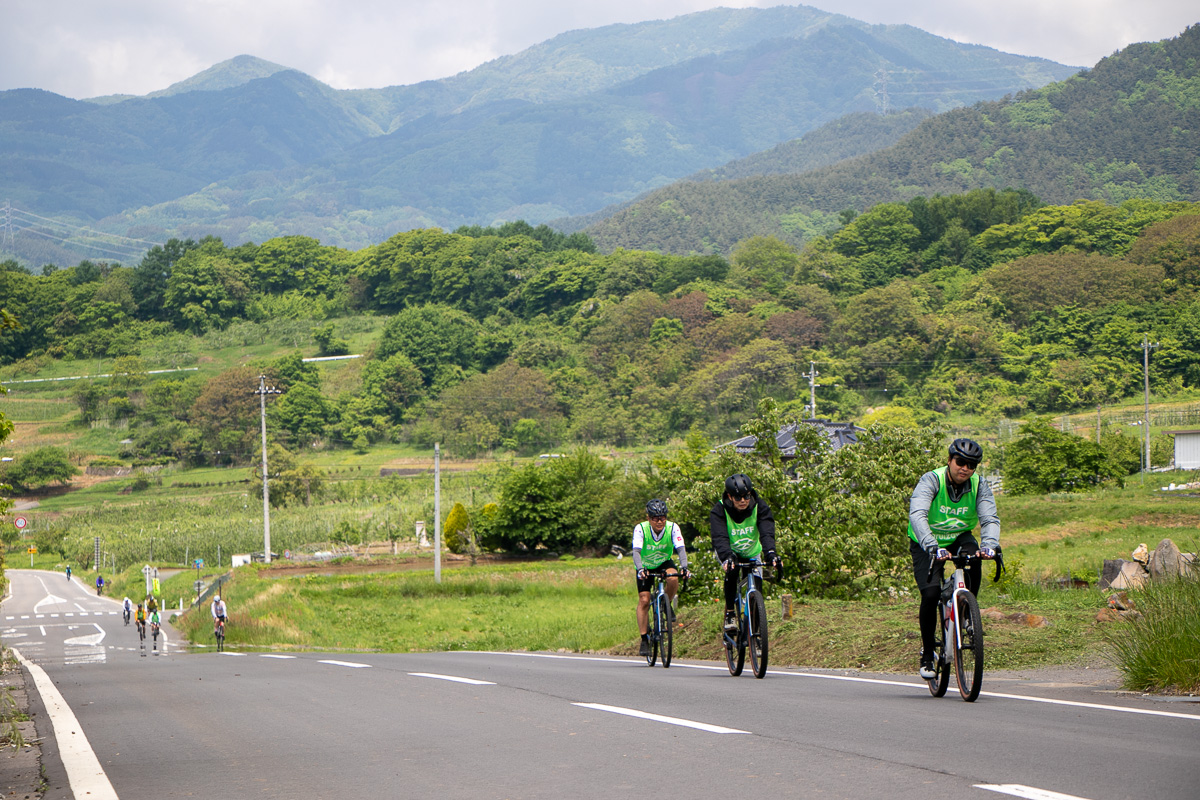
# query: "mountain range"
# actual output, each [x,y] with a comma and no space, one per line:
[1128,128]
[251,150]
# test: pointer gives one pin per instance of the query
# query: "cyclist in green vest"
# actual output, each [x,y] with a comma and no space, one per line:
[653,543]
[946,506]
[741,525]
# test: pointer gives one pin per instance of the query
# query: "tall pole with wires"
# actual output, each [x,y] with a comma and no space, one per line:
[262,392]
[1147,346]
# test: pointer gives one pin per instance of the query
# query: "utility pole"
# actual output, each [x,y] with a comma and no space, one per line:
[812,389]
[1147,346]
[262,393]
[1097,423]
[437,513]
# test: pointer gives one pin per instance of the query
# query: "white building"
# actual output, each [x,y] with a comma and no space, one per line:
[1187,449]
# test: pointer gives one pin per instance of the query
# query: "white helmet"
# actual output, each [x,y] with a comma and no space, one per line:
[217,599]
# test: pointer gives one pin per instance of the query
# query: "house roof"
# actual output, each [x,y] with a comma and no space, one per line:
[838,434]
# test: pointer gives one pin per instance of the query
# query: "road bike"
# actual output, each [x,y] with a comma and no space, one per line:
[960,629]
[219,632]
[662,618]
[141,626]
[154,628]
[125,614]
[751,611]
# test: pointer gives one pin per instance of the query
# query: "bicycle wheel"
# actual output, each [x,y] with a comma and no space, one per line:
[666,619]
[758,635]
[968,658]
[652,653]
[941,680]
[141,632]
[735,647]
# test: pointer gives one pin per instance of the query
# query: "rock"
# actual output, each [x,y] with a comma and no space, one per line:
[1110,571]
[1120,601]
[992,613]
[1113,615]
[1132,576]
[1141,554]
[1165,562]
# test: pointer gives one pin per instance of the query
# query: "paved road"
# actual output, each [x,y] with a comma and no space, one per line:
[510,725]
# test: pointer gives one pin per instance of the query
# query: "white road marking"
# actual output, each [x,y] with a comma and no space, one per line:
[51,599]
[456,679]
[227,653]
[274,655]
[686,723]
[90,639]
[1029,792]
[346,664]
[86,776]
[42,628]
[879,681]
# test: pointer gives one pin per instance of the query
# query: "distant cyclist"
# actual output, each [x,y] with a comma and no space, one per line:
[946,506]
[653,542]
[151,603]
[741,525]
[219,612]
[140,617]
[155,622]
[126,609]
[68,572]
[99,584]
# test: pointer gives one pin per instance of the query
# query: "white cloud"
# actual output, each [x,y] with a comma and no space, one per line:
[84,48]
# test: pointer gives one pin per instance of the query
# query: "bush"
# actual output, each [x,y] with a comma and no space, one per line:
[1157,651]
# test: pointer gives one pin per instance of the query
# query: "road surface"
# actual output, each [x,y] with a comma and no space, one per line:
[193,723]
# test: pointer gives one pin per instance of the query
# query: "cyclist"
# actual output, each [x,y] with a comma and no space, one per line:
[218,610]
[126,609]
[151,603]
[68,572]
[155,622]
[741,525]
[99,584]
[140,616]
[945,507]
[653,541]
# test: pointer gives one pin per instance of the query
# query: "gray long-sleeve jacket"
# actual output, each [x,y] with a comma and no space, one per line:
[923,497]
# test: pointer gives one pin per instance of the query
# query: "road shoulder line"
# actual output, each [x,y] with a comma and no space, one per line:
[86,776]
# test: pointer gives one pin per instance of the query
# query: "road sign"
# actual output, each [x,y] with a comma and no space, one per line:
[32,549]
[20,522]
[198,563]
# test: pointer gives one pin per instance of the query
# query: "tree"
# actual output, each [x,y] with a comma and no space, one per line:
[304,413]
[435,338]
[1045,459]
[764,262]
[205,290]
[41,467]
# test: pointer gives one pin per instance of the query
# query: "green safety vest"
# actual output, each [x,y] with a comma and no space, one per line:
[656,552]
[743,536]
[949,519]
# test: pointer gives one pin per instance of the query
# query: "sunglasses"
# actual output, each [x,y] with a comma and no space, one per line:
[962,462]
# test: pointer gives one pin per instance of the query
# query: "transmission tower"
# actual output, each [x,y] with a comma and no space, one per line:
[881,92]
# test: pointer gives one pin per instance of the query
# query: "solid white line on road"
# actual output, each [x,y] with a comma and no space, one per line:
[86,776]
[452,678]
[43,629]
[274,655]
[1029,792]
[878,681]
[686,723]
[353,664]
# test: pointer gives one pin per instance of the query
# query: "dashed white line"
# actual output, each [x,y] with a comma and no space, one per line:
[227,653]
[352,664]
[453,678]
[686,723]
[274,655]
[1028,792]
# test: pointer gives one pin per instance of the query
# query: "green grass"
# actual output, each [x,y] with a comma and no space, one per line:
[1160,650]
[558,605]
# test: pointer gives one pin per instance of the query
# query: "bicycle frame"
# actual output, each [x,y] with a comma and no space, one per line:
[952,588]
[751,580]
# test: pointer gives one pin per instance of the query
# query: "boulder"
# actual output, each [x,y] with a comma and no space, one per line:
[1166,562]
[1120,601]
[992,613]
[1110,571]
[1132,576]
[1141,554]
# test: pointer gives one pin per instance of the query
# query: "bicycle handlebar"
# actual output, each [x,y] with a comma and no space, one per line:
[964,559]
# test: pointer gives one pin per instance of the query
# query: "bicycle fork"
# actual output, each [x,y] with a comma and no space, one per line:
[952,633]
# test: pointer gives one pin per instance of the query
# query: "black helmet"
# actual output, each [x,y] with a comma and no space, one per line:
[966,450]
[656,508]
[738,485]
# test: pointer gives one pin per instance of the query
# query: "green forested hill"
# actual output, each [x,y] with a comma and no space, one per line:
[1130,127]
[247,150]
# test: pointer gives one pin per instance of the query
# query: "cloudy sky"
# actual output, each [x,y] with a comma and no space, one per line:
[86,48]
